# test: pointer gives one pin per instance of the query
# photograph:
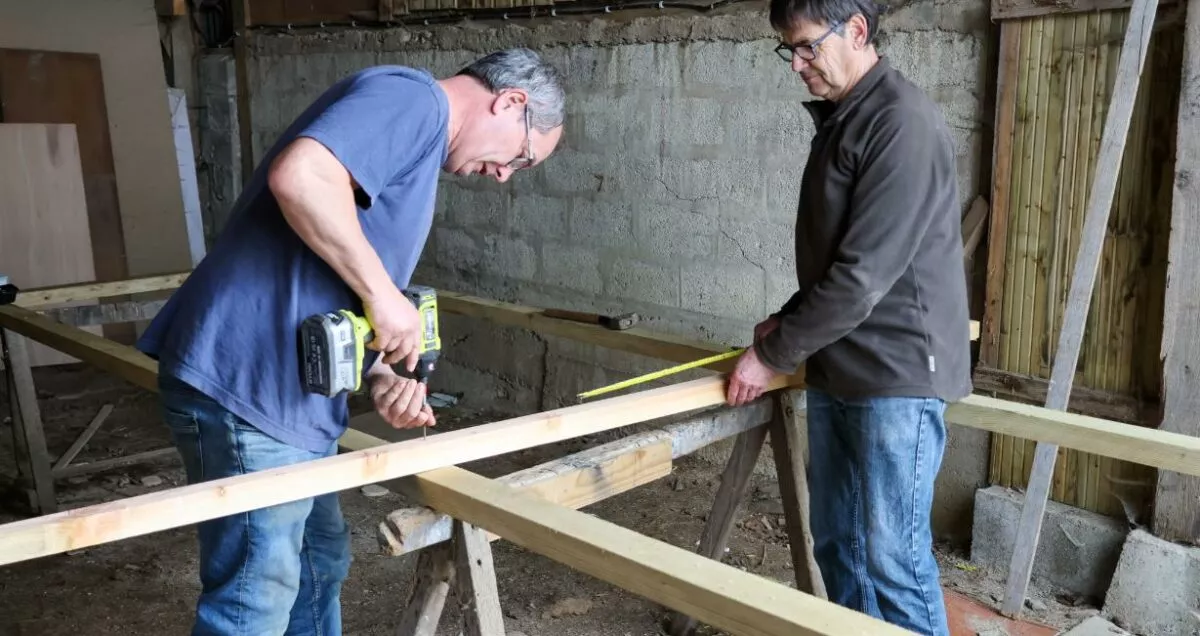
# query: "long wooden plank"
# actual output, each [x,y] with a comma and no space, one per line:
[64,294]
[1176,515]
[1066,357]
[717,594]
[111,356]
[144,514]
[579,479]
[574,481]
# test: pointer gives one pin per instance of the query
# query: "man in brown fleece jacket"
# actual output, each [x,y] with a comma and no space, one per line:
[879,317]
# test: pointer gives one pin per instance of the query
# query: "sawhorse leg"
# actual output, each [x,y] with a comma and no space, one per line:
[32,454]
[464,565]
[793,487]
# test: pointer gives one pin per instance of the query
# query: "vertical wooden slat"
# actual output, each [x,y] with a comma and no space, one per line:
[1176,514]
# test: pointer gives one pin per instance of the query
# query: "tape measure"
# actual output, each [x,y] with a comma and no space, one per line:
[662,374]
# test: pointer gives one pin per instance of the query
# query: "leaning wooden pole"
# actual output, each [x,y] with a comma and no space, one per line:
[1104,185]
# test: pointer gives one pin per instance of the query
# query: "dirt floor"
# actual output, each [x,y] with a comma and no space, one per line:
[147,585]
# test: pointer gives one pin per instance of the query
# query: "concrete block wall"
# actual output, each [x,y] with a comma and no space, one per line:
[673,194]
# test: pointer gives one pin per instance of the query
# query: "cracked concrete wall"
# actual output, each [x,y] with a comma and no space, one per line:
[673,194]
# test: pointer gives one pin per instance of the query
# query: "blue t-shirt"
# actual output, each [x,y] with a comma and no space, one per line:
[231,330]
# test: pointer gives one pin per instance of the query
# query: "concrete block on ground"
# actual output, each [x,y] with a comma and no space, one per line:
[1096,626]
[1077,551]
[1156,587]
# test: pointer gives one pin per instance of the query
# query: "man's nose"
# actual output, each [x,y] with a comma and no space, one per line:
[503,173]
[798,63]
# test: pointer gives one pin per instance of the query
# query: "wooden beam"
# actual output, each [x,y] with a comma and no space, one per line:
[65,294]
[1008,75]
[1095,225]
[1102,404]
[719,595]
[107,313]
[23,401]
[114,357]
[579,479]
[153,512]
[1011,9]
[574,481]
[1176,512]
[972,228]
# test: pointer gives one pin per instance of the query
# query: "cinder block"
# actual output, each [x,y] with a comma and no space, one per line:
[475,209]
[602,223]
[1077,551]
[509,258]
[692,120]
[672,232]
[631,64]
[570,171]
[636,280]
[761,243]
[728,290]
[574,267]
[538,216]
[1096,626]
[455,249]
[1156,587]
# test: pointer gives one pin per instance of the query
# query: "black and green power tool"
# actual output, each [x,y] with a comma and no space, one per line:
[333,346]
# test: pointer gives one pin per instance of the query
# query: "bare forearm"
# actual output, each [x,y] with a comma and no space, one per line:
[317,200]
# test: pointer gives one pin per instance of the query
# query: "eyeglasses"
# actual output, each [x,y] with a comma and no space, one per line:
[528,158]
[808,51]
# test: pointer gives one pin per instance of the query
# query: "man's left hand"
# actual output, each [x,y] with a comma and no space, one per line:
[749,379]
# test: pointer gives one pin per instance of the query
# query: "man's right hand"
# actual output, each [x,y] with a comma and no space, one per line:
[397,328]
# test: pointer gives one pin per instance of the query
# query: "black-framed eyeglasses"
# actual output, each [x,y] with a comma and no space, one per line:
[528,158]
[808,51]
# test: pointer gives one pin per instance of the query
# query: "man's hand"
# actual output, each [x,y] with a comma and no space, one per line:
[765,327]
[400,401]
[397,328]
[749,378]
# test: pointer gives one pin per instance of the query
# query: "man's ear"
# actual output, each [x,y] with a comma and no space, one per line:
[509,98]
[859,31]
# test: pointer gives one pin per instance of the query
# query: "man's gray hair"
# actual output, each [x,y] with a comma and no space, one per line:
[524,69]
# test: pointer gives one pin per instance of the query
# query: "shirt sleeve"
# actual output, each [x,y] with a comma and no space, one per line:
[887,218]
[379,129]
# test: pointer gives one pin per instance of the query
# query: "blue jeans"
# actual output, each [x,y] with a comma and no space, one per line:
[275,570]
[872,468]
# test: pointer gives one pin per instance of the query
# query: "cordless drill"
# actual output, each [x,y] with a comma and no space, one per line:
[333,346]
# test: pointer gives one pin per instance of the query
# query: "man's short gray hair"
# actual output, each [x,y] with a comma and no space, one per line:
[524,69]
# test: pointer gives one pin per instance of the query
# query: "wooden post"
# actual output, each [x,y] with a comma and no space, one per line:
[478,596]
[434,575]
[1104,184]
[1176,511]
[734,483]
[28,420]
[793,488]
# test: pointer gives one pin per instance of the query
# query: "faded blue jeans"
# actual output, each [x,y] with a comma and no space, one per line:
[872,468]
[276,570]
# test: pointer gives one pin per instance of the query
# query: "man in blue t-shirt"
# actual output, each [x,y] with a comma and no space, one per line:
[335,217]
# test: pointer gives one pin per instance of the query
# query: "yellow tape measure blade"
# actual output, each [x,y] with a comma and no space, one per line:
[661,374]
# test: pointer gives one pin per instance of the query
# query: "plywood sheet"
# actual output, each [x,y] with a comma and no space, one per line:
[44,231]
[57,87]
